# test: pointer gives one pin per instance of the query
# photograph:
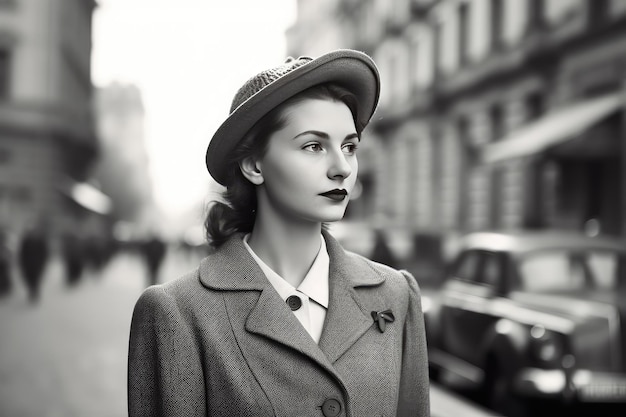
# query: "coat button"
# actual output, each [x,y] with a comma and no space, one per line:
[331,408]
[294,302]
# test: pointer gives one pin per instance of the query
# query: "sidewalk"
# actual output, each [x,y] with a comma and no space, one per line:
[444,403]
[66,356]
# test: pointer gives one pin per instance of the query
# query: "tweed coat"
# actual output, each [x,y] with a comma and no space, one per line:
[220,341]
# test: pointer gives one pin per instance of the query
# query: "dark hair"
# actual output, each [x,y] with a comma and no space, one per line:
[238,211]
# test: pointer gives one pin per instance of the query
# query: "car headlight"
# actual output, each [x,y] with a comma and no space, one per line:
[545,346]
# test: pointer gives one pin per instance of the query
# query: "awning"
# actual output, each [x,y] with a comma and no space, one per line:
[554,128]
[86,195]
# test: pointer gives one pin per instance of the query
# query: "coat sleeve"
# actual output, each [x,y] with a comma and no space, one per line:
[165,377]
[414,395]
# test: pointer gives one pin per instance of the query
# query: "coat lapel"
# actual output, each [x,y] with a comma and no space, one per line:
[271,318]
[349,308]
[231,269]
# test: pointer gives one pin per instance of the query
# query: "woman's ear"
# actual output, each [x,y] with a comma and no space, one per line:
[250,168]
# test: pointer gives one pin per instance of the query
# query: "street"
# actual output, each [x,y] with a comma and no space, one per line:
[66,356]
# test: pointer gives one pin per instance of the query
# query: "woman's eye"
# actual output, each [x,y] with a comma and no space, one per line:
[350,148]
[313,147]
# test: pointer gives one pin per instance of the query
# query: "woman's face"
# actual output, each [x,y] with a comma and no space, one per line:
[310,166]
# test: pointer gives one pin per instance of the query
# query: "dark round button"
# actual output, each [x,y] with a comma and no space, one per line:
[331,408]
[294,302]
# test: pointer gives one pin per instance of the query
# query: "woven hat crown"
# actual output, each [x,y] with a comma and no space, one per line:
[265,78]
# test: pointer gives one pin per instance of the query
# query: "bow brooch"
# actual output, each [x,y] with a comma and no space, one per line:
[382,317]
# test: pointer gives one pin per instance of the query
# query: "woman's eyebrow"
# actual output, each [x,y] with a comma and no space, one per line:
[324,135]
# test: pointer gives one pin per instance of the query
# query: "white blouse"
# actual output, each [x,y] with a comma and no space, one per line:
[312,291]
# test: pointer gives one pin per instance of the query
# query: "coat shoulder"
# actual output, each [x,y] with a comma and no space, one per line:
[183,284]
[174,294]
[400,280]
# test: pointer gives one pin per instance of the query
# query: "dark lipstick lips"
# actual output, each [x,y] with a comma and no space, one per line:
[336,194]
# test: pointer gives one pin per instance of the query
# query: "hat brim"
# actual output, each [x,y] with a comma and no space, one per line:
[350,69]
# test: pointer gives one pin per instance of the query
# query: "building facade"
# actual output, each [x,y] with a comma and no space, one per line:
[47,136]
[122,169]
[494,114]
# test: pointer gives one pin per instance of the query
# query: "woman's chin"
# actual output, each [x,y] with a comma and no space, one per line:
[333,217]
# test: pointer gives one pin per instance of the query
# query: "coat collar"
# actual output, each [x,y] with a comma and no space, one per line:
[232,268]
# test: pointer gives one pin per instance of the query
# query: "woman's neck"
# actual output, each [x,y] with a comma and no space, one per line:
[289,248]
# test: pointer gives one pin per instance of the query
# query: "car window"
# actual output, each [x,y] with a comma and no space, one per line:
[467,266]
[492,269]
[549,270]
[604,266]
[563,270]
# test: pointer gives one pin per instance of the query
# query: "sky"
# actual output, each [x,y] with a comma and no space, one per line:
[188,57]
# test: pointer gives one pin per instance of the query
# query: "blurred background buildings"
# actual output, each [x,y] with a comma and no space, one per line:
[495,114]
[122,168]
[71,158]
[48,142]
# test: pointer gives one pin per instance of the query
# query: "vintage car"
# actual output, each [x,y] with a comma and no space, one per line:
[528,318]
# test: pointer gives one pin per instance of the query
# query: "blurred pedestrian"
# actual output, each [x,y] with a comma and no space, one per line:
[280,319]
[33,256]
[73,257]
[95,252]
[6,283]
[153,250]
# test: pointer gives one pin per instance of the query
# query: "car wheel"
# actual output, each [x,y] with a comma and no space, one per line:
[498,394]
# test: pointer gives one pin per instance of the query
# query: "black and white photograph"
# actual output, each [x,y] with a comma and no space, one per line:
[312,208]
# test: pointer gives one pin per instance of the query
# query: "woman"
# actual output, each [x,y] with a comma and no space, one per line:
[279,319]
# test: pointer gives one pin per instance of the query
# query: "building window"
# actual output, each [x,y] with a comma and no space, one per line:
[5,69]
[497,122]
[437,47]
[467,159]
[535,106]
[598,12]
[414,62]
[536,15]
[496,119]
[463,33]
[497,26]
[496,201]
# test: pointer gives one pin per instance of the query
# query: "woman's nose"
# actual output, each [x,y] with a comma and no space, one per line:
[339,165]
